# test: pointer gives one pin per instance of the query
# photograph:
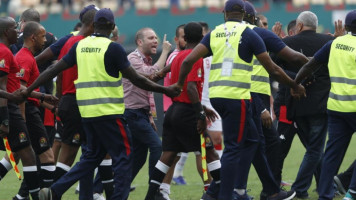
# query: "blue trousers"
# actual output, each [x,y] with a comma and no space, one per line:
[241,142]
[110,135]
[341,128]
[144,138]
[312,129]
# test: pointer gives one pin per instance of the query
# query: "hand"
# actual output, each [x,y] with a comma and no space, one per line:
[166,46]
[173,90]
[201,126]
[298,92]
[277,29]
[4,131]
[51,99]
[157,76]
[210,114]
[339,29]
[266,119]
[152,122]
[18,96]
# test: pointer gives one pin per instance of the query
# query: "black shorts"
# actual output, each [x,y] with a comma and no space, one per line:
[18,136]
[38,134]
[180,129]
[68,111]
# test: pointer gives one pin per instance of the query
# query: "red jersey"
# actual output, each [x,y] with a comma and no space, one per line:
[9,65]
[28,69]
[195,75]
[71,74]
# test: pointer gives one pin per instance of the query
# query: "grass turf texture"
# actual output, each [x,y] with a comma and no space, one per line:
[194,188]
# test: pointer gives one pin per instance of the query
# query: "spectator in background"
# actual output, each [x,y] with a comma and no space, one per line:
[114,36]
[78,26]
[263,21]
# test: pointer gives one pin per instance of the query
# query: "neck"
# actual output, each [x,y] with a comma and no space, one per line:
[191,45]
[103,32]
[85,31]
[142,52]
[5,42]
[29,46]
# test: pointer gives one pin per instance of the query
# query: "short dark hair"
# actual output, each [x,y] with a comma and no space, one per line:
[31,28]
[88,17]
[193,32]
[31,15]
[139,34]
[179,27]
[204,25]
[78,25]
[291,24]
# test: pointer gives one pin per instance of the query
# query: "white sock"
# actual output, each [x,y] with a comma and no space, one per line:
[240,191]
[178,170]
[166,188]
[219,152]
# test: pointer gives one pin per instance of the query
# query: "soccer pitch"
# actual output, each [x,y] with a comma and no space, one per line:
[194,188]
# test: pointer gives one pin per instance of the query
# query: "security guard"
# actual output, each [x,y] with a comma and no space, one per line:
[340,56]
[232,45]
[101,65]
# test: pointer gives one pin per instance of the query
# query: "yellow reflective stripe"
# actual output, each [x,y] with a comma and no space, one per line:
[343,80]
[260,78]
[342,97]
[88,102]
[235,66]
[98,84]
[229,83]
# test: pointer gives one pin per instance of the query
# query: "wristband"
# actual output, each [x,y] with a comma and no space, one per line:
[42,97]
[4,113]
[202,116]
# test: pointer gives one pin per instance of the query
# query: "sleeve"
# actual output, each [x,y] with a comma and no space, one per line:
[115,59]
[57,46]
[25,69]
[71,57]
[206,42]
[322,56]
[258,102]
[195,74]
[255,42]
[272,41]
[6,62]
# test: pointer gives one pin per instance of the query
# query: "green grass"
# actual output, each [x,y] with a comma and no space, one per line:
[193,190]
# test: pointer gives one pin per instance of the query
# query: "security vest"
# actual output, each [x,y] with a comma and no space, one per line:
[236,86]
[342,70]
[98,94]
[260,78]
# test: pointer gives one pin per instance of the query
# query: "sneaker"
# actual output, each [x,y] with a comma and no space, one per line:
[165,194]
[348,196]
[159,196]
[98,196]
[20,198]
[283,195]
[45,194]
[236,196]
[340,187]
[179,180]
[207,197]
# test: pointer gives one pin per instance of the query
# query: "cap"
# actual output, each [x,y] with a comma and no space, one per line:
[350,18]
[86,9]
[234,5]
[250,9]
[105,13]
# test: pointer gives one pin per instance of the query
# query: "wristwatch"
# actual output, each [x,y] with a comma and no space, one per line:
[202,115]
[5,122]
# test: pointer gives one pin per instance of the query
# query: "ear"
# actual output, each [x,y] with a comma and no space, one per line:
[176,39]
[139,42]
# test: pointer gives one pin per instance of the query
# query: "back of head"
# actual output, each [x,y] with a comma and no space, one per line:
[291,25]
[30,15]
[178,28]
[205,26]
[87,15]
[234,6]
[31,28]
[350,21]
[249,9]
[193,32]
[308,19]
[104,20]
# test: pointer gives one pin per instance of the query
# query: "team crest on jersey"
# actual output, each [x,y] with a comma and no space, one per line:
[22,137]
[2,63]
[21,73]
[76,138]
[43,142]
[207,140]
[199,72]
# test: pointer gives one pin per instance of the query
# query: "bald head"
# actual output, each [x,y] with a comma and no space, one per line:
[6,23]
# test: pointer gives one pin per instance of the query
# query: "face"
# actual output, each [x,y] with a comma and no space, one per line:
[39,39]
[149,43]
[180,42]
[264,22]
[292,31]
[12,32]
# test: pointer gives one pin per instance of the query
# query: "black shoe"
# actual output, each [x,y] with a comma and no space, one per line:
[207,197]
[159,196]
[263,196]
[15,198]
[283,195]
[339,185]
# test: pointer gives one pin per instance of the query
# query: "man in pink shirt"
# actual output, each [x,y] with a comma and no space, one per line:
[140,104]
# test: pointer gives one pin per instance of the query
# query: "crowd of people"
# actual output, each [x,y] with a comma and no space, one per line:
[217,86]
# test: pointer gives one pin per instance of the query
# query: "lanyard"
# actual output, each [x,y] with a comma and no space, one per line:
[228,34]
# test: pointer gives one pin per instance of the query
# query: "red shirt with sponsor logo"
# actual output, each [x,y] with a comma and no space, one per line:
[71,74]
[28,69]
[195,75]
[9,65]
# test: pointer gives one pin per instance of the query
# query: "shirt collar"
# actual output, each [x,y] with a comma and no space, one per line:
[146,60]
